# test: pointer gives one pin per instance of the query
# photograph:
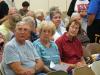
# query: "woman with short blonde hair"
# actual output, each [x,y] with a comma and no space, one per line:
[46,47]
[47,25]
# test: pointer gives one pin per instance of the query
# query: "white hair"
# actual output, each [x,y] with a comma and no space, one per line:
[75,14]
[20,23]
[29,19]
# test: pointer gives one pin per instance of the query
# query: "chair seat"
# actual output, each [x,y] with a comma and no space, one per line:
[83,71]
[57,73]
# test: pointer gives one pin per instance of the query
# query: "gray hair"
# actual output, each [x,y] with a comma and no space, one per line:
[23,23]
[31,13]
[74,15]
[39,13]
[29,19]
[52,13]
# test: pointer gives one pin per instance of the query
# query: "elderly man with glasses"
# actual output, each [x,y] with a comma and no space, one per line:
[20,57]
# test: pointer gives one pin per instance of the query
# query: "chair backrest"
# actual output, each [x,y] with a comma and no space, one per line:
[96,67]
[86,52]
[94,48]
[57,73]
[83,71]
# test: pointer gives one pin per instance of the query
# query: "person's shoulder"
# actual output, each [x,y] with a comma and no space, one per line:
[78,41]
[3,28]
[52,42]
[63,28]
[11,43]
[59,40]
[28,42]
[36,41]
[61,37]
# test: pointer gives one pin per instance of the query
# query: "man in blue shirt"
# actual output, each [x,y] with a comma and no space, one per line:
[93,29]
[20,57]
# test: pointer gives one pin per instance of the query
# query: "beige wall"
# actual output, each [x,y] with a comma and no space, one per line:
[44,4]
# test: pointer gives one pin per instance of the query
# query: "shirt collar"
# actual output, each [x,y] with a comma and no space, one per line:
[67,39]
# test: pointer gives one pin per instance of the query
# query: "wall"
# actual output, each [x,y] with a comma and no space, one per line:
[44,4]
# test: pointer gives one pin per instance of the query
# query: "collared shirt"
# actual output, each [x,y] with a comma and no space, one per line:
[47,54]
[70,51]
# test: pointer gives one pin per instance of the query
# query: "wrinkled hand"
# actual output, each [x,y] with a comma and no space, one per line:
[80,64]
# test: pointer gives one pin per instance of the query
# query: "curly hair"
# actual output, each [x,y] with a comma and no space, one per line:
[25,4]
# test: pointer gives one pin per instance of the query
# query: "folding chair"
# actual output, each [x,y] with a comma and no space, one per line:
[83,71]
[87,55]
[57,73]
[93,48]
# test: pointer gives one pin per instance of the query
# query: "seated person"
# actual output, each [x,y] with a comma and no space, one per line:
[20,57]
[46,48]
[8,26]
[55,17]
[83,35]
[24,10]
[70,47]
[34,36]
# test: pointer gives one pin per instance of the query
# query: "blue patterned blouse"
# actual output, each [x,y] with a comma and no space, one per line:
[47,54]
